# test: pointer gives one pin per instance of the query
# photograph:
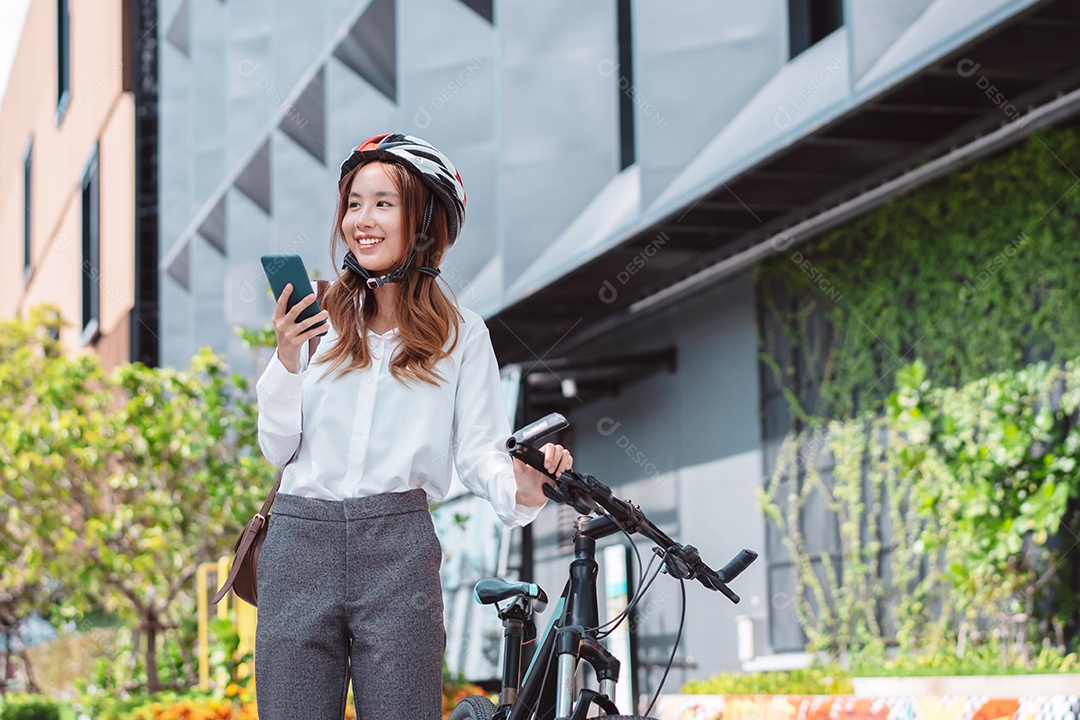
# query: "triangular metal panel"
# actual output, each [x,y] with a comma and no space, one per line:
[213,227]
[180,268]
[370,47]
[254,181]
[306,120]
[483,8]
[179,33]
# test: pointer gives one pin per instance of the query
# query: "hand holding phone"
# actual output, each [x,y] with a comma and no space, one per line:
[297,316]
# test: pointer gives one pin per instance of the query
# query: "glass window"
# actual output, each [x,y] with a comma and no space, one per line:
[63,59]
[28,160]
[811,20]
[625,85]
[91,251]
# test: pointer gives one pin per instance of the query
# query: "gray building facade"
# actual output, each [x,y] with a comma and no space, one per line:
[626,163]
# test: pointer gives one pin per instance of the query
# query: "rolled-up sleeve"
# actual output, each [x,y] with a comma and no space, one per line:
[481,429]
[280,396]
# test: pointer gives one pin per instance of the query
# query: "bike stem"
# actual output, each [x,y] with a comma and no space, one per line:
[598,527]
[582,604]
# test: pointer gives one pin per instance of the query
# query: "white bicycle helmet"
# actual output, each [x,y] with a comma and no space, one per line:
[421,157]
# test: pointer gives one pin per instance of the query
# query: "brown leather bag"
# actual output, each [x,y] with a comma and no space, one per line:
[243,577]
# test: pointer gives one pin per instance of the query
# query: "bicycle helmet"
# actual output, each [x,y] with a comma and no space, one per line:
[421,157]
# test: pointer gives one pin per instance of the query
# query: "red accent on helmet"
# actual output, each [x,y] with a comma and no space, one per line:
[372,143]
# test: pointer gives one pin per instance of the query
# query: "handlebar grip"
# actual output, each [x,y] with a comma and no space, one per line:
[737,564]
[531,457]
[534,431]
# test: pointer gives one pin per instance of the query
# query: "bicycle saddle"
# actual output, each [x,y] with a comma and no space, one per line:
[492,590]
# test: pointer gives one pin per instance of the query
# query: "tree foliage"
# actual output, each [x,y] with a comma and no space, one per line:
[117,485]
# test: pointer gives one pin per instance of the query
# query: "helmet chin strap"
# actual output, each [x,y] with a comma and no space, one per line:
[397,275]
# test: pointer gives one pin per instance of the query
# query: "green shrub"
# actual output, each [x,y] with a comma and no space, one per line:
[987,659]
[29,707]
[811,681]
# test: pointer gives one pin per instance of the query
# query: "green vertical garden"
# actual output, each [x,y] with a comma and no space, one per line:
[928,355]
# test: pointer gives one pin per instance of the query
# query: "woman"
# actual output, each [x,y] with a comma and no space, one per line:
[403,385]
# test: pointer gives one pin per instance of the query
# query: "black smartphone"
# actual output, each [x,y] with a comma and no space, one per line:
[282,269]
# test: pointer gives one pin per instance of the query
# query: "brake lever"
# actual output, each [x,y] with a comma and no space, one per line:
[569,487]
[712,581]
[673,565]
[689,566]
[531,457]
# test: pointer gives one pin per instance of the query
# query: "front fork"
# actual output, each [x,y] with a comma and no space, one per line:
[571,647]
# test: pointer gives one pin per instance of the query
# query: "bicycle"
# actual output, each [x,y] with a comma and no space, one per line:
[544,691]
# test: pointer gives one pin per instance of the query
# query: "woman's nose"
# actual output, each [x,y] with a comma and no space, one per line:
[363,218]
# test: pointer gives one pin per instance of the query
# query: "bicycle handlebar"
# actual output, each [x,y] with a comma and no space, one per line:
[586,494]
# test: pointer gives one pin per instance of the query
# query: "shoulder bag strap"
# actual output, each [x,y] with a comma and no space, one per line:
[251,531]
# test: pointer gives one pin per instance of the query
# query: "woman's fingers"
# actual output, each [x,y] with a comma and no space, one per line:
[291,334]
[300,306]
[557,459]
[549,457]
[314,320]
[283,302]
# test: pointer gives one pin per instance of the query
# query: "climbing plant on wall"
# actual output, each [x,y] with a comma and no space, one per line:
[976,273]
[926,355]
[949,508]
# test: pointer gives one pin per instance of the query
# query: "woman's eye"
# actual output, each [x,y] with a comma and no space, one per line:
[354,205]
[383,203]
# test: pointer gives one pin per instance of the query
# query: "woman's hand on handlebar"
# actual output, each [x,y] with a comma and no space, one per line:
[530,482]
[292,335]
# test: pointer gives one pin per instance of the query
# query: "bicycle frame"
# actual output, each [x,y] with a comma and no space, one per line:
[547,690]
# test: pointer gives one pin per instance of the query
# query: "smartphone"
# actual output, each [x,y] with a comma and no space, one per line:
[282,269]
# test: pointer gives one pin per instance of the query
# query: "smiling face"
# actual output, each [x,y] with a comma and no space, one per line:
[372,224]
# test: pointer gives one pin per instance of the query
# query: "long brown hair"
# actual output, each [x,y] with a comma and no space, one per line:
[427,319]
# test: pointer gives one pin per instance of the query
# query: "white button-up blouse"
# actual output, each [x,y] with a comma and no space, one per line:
[366,433]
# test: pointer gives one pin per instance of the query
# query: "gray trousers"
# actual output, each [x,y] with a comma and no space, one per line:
[346,587]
